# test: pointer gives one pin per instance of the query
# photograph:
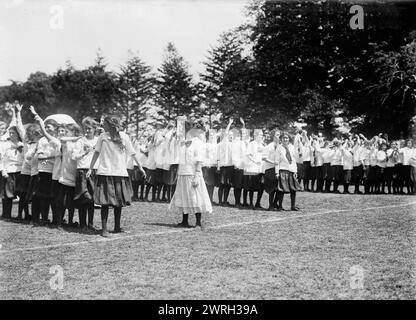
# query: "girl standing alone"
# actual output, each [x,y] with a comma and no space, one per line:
[112,184]
[191,195]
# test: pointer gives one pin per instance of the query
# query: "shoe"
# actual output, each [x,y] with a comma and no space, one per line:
[73,225]
[294,209]
[258,207]
[119,230]
[134,199]
[84,230]
[92,228]
[105,234]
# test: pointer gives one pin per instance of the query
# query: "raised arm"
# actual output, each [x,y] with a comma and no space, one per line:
[242,122]
[227,129]
[19,123]
[41,123]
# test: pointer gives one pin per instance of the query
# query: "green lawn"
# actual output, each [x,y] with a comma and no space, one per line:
[241,254]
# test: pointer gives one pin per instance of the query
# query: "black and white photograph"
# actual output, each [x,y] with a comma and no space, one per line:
[199,150]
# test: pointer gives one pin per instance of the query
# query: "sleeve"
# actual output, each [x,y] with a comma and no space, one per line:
[99,143]
[381,156]
[265,153]
[77,150]
[6,159]
[198,150]
[129,146]
[56,147]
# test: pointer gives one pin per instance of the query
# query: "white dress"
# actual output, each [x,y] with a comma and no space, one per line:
[188,198]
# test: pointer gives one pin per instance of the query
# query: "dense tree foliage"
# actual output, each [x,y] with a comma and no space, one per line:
[290,61]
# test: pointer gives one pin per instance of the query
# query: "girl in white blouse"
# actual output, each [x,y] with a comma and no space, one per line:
[191,195]
[112,184]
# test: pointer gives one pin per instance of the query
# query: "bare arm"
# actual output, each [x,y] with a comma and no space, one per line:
[19,123]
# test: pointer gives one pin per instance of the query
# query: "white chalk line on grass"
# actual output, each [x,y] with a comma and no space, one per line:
[142,235]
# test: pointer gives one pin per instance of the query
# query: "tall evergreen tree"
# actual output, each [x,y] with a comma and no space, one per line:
[176,92]
[135,88]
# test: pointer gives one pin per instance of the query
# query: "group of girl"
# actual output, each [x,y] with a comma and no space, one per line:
[233,158]
[57,169]
[239,159]
[374,166]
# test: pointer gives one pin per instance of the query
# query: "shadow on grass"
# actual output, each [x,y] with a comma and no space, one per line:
[169,225]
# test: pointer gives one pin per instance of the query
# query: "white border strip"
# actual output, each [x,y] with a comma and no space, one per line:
[142,235]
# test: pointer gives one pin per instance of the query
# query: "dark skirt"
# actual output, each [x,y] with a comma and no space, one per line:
[306,170]
[135,174]
[112,191]
[10,184]
[406,173]
[327,175]
[379,174]
[130,172]
[371,175]
[22,185]
[253,183]
[287,182]
[84,188]
[65,196]
[319,173]
[399,172]
[210,176]
[1,184]
[412,174]
[151,177]
[301,171]
[337,173]
[32,187]
[347,176]
[312,173]
[237,181]
[159,175]
[357,174]
[170,176]
[270,181]
[54,189]
[43,186]
[226,175]
[389,173]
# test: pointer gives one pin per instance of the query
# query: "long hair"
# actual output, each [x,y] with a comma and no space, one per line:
[75,128]
[52,123]
[14,128]
[114,130]
[33,132]
[90,122]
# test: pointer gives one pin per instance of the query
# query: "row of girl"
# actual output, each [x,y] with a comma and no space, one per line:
[52,166]
[232,159]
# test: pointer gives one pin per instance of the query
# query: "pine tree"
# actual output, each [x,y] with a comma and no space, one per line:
[223,83]
[176,94]
[135,88]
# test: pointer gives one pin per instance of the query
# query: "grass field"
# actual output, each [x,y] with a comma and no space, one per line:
[241,254]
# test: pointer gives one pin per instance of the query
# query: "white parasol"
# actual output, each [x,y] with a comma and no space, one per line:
[61,118]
